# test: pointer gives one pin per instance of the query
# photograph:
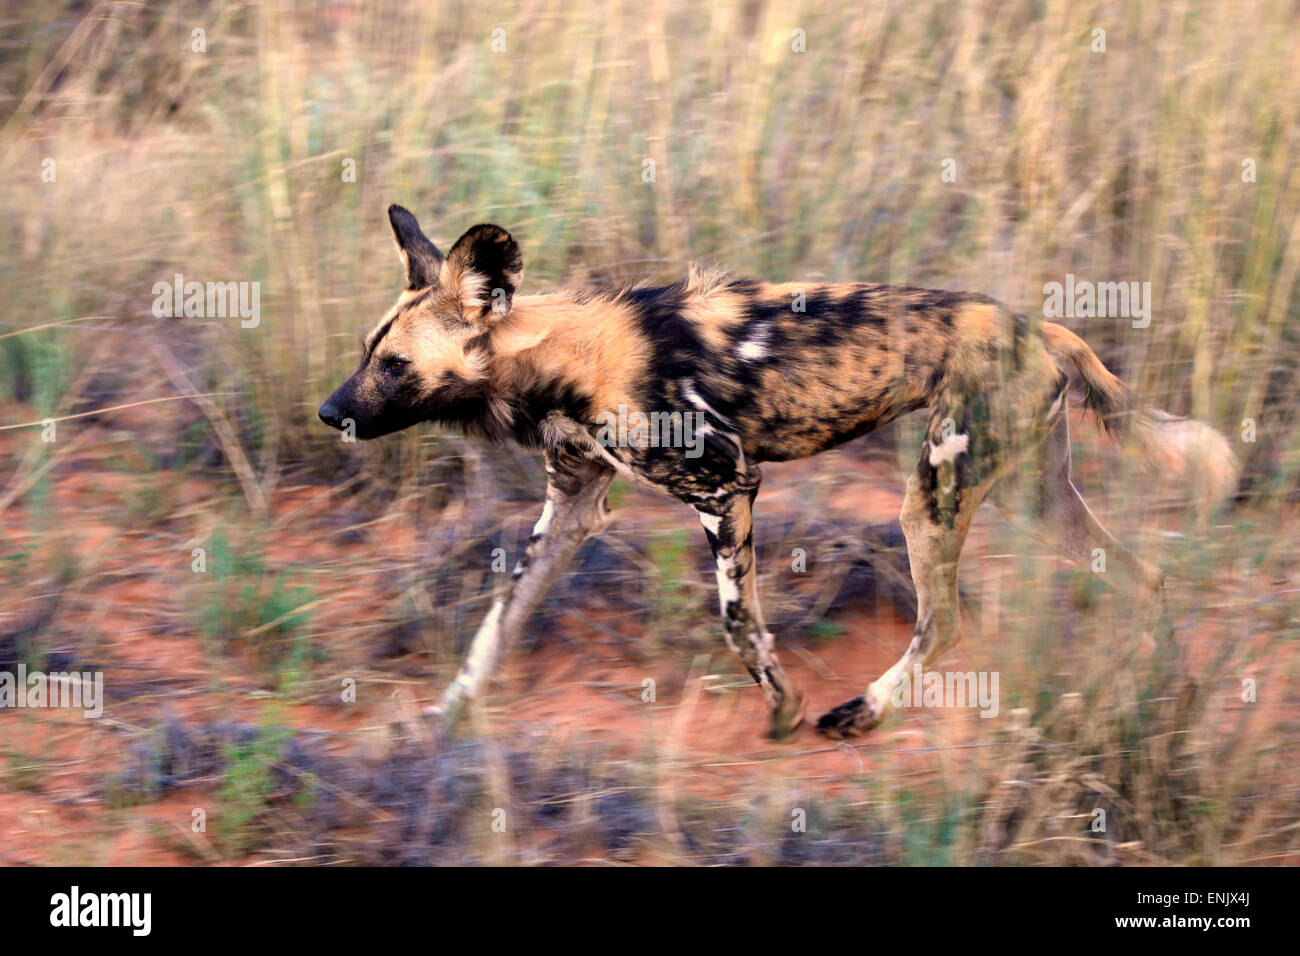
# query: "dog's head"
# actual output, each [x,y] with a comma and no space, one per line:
[427,358]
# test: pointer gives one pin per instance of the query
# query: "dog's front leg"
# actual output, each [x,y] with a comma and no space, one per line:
[575,509]
[727,517]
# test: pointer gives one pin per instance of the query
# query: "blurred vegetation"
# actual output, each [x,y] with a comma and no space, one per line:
[228,165]
[243,604]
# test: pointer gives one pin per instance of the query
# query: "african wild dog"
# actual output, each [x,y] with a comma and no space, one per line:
[768,383]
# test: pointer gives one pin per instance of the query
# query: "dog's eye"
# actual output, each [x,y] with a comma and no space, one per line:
[394,364]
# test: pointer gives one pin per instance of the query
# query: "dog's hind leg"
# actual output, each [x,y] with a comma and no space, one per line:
[940,503]
[574,510]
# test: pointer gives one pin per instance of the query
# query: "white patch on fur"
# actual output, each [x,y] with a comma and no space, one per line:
[544,522]
[728,589]
[948,449]
[755,347]
[721,492]
[711,522]
[692,396]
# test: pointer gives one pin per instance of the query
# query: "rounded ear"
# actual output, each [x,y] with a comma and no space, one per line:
[485,267]
[420,257]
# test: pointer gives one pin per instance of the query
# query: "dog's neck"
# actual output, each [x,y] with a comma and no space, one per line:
[583,344]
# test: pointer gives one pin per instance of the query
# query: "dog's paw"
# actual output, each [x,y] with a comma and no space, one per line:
[787,717]
[850,719]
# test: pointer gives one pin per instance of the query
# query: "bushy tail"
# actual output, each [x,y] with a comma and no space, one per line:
[1181,446]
